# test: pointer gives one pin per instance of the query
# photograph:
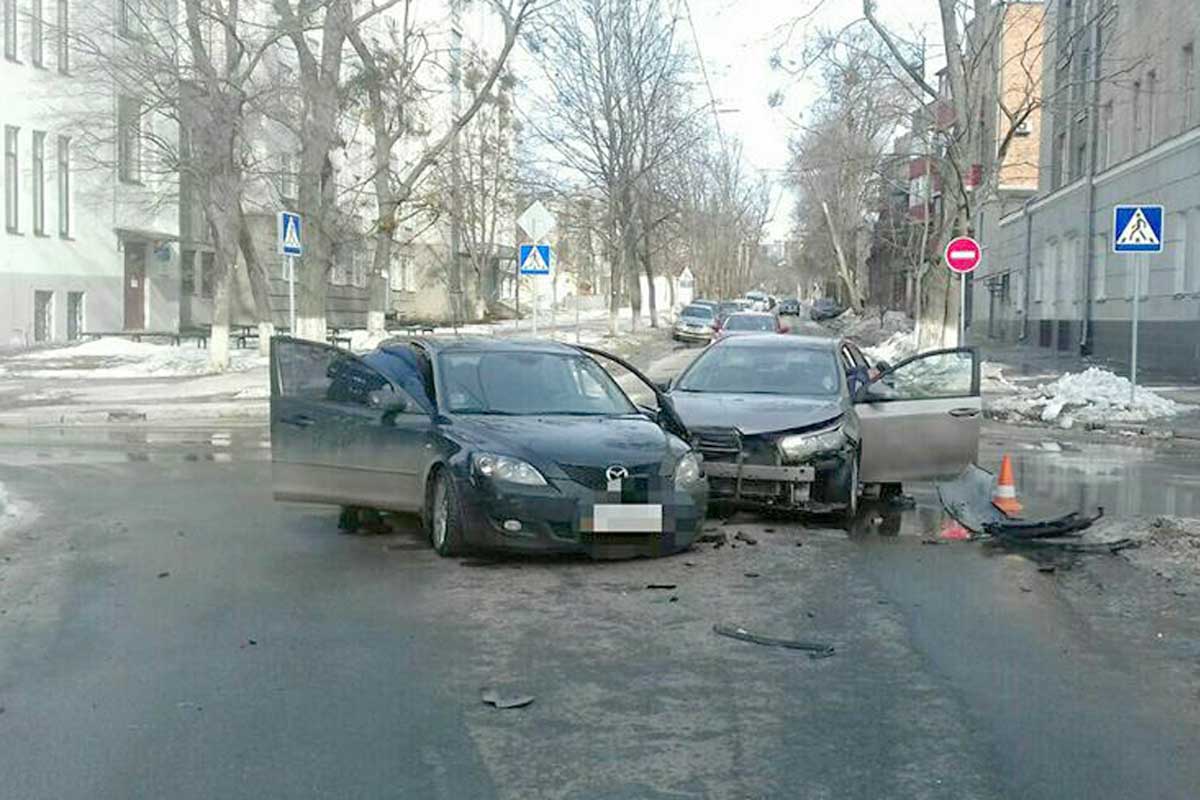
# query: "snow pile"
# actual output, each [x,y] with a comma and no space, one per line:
[1094,395]
[873,326]
[115,357]
[893,349]
[12,511]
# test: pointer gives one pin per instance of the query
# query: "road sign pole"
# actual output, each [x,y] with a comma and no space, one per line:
[292,295]
[962,309]
[1133,355]
[535,304]
[577,310]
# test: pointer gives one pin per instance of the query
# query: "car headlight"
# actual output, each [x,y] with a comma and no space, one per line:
[507,469]
[687,471]
[801,446]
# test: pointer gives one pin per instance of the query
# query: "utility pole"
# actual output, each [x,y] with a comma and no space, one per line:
[456,289]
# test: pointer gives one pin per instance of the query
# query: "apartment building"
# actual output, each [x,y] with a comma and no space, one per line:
[90,227]
[1121,125]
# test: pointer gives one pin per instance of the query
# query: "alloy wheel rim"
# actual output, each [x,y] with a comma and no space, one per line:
[441,513]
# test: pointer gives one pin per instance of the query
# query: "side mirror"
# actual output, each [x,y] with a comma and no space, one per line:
[882,366]
[389,402]
[663,386]
[784,329]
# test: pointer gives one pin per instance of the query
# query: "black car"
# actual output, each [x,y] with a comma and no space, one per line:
[824,308]
[529,446]
[789,307]
[804,423]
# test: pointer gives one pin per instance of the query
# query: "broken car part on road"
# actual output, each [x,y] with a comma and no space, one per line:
[814,649]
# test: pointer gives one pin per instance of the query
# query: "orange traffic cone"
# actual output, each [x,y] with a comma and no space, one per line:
[1005,495]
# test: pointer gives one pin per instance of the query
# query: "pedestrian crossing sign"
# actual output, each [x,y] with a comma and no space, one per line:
[1138,229]
[288,234]
[535,259]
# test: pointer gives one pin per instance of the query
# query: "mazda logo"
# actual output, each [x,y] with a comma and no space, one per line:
[616,473]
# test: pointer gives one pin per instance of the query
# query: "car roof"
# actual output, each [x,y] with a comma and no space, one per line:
[774,340]
[478,344]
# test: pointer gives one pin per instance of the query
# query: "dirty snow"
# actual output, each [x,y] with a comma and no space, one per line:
[12,511]
[893,349]
[873,326]
[1092,396]
[115,357]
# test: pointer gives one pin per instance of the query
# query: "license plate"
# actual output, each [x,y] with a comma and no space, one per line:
[627,518]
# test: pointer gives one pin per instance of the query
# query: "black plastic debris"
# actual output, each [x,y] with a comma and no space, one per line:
[745,537]
[752,574]
[712,538]
[493,697]
[814,649]
[1067,525]
[164,574]
[661,586]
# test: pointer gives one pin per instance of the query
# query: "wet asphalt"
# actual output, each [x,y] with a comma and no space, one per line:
[166,630]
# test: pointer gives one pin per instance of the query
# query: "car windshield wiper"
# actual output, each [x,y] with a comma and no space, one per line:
[485,412]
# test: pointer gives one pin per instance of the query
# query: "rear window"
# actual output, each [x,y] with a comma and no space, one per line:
[702,312]
[749,323]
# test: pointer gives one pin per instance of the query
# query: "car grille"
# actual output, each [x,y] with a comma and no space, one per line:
[718,444]
[596,479]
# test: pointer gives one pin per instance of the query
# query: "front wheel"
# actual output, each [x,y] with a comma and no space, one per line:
[444,515]
[852,490]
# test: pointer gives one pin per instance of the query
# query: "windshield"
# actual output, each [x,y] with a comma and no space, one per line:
[797,371]
[699,312]
[749,322]
[528,383]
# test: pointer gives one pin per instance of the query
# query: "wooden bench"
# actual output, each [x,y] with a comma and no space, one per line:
[175,337]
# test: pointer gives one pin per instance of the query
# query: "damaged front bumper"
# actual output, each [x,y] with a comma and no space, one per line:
[761,483]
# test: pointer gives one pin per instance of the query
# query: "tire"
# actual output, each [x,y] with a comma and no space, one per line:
[443,516]
[850,512]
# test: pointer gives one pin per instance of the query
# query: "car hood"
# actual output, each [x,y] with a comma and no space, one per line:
[754,413]
[581,441]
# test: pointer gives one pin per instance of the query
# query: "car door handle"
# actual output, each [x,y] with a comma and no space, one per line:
[300,421]
[964,412]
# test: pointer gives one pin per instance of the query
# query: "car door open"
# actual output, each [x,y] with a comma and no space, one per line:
[644,393]
[920,419]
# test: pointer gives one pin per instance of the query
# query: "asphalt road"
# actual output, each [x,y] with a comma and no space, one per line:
[166,630]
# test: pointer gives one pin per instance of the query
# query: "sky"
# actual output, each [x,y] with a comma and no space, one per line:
[736,39]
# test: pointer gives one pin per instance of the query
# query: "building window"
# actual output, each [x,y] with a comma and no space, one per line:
[1180,228]
[1136,139]
[208,274]
[129,17]
[43,316]
[12,219]
[358,268]
[1079,159]
[64,186]
[1187,86]
[1104,145]
[39,183]
[129,139]
[1099,257]
[1192,250]
[63,37]
[1062,169]
[1151,108]
[404,275]
[187,273]
[35,32]
[10,29]
[287,178]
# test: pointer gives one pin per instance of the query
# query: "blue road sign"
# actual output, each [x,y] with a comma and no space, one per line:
[288,229]
[1138,229]
[534,259]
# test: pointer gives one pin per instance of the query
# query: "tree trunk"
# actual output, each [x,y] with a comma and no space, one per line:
[259,285]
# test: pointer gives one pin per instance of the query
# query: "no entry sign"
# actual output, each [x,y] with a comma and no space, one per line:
[963,255]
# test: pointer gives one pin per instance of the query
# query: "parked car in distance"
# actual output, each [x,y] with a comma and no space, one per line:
[524,446]
[825,308]
[798,422]
[789,307]
[745,322]
[696,323]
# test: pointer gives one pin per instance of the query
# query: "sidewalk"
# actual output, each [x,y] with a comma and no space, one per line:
[113,380]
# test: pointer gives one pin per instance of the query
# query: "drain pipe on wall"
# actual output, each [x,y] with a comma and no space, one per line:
[1085,329]
[1028,268]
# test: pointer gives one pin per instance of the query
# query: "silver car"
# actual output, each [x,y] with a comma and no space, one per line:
[806,423]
